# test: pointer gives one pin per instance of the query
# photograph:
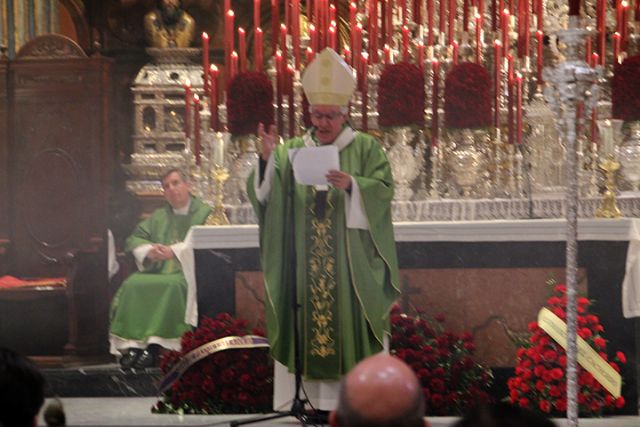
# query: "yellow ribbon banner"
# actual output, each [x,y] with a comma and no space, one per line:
[588,358]
[226,343]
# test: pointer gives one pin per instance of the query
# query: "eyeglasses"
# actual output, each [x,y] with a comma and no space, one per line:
[329,116]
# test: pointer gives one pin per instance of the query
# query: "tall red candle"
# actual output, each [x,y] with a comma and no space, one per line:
[283,41]
[187,108]
[279,89]
[205,60]
[456,50]
[389,16]
[234,65]
[505,30]
[353,9]
[452,21]
[497,66]
[256,14]
[333,39]
[616,47]
[196,127]
[519,107]
[242,47]
[602,31]
[539,55]
[373,31]
[478,38]
[310,55]
[430,22]
[364,61]
[290,94]
[313,37]
[213,98]
[435,69]
[510,82]
[421,55]
[405,43]
[295,32]
[229,42]
[465,15]
[258,53]
[387,54]
[442,19]
[275,23]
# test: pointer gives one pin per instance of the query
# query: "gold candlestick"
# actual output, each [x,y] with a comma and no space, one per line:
[218,217]
[609,207]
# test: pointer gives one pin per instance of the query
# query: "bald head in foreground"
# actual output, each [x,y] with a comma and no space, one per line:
[380,391]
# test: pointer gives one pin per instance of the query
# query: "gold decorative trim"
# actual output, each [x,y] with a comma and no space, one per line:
[322,284]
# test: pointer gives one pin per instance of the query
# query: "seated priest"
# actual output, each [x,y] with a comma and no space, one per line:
[344,262]
[149,310]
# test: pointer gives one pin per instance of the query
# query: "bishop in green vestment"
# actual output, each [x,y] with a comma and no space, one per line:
[149,307]
[344,255]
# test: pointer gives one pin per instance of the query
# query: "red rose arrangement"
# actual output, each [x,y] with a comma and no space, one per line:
[401,98]
[230,381]
[540,374]
[625,89]
[451,381]
[249,102]
[467,97]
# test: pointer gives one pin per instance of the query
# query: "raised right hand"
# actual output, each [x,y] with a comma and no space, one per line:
[269,140]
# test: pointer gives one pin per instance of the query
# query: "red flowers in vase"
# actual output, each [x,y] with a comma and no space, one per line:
[625,89]
[451,381]
[467,97]
[540,374]
[249,102]
[401,98]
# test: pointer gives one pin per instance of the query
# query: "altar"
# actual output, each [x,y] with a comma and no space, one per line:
[485,277]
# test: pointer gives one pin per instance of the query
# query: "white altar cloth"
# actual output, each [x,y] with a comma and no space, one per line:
[533,230]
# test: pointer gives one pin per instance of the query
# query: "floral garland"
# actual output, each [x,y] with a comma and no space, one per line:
[540,382]
[467,97]
[625,89]
[401,98]
[451,381]
[231,381]
[249,102]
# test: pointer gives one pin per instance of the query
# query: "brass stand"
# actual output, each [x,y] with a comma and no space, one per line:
[219,174]
[609,207]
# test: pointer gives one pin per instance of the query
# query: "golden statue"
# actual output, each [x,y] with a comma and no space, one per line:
[169,26]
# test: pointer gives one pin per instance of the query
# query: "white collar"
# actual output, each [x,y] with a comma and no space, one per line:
[342,140]
[183,210]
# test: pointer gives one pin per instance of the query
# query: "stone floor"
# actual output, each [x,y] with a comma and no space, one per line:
[135,411]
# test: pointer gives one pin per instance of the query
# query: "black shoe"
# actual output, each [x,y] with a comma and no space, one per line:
[128,360]
[146,360]
[316,417]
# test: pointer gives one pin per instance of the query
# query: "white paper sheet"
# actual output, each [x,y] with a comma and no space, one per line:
[311,164]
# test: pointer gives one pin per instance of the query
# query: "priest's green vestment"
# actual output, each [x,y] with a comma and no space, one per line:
[346,278]
[149,307]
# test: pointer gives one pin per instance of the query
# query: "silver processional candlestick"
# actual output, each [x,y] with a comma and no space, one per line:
[569,83]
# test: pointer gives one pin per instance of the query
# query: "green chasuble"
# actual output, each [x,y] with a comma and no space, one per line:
[346,278]
[150,305]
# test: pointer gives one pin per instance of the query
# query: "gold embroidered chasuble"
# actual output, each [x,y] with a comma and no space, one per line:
[346,278]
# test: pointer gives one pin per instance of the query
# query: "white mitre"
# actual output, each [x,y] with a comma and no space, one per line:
[328,80]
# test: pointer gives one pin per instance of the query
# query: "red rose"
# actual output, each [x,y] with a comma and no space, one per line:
[523,402]
[625,89]
[621,357]
[401,97]
[545,406]
[620,402]
[249,102]
[467,97]
[557,373]
[600,342]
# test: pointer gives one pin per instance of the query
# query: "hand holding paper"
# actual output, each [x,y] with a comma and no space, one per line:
[311,165]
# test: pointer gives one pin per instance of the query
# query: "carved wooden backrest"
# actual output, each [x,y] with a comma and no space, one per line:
[4,163]
[60,153]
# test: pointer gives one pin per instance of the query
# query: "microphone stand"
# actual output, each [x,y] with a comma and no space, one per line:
[297,407]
